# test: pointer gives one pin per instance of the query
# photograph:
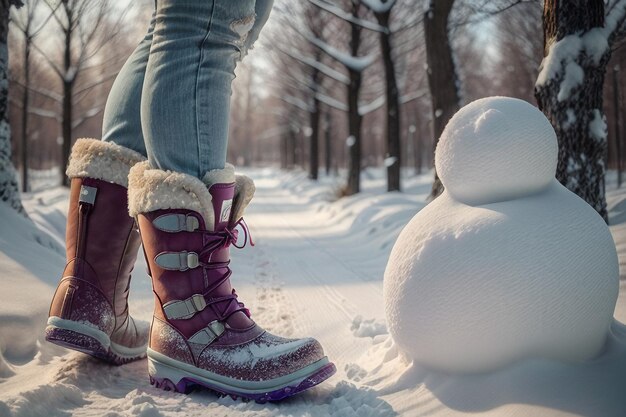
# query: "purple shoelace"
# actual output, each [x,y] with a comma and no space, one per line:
[221,240]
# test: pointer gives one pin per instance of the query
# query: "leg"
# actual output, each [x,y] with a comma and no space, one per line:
[201,333]
[89,310]
[186,93]
[262,9]
[122,120]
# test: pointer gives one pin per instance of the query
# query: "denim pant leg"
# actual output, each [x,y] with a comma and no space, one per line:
[185,102]
[262,9]
[122,121]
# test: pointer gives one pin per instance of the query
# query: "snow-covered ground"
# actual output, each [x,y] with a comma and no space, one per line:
[316,270]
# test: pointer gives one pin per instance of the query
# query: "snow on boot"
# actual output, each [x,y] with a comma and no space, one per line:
[89,311]
[201,334]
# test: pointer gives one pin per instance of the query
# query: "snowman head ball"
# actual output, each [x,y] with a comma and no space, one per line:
[506,264]
[496,148]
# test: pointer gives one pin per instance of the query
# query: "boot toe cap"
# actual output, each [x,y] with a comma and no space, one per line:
[266,357]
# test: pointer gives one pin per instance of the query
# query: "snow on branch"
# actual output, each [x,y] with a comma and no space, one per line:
[413,96]
[86,116]
[329,101]
[324,69]
[355,63]
[44,113]
[338,105]
[379,6]
[348,17]
[295,101]
[372,106]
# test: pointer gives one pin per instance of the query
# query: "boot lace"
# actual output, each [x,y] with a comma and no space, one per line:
[216,241]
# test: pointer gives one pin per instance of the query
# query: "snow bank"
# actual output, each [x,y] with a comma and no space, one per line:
[507,264]
[30,259]
[318,264]
[367,327]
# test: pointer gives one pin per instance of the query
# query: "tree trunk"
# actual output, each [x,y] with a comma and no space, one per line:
[354,118]
[283,151]
[327,141]
[68,84]
[393,107]
[618,134]
[576,114]
[25,104]
[314,154]
[9,193]
[314,120]
[442,77]
[292,158]
[67,131]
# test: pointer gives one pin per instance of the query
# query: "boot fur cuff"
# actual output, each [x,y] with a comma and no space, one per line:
[154,189]
[105,161]
[244,191]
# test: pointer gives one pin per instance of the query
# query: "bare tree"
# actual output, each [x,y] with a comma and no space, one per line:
[442,76]
[521,50]
[313,19]
[86,26]
[27,23]
[300,81]
[578,37]
[9,193]
[616,122]
[355,65]
[311,62]
[382,11]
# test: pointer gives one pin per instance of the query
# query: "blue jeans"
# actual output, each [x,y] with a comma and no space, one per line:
[171,99]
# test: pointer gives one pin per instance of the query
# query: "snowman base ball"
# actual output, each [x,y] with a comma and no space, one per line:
[507,263]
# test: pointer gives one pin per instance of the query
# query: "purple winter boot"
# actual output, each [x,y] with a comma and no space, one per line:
[201,334]
[89,311]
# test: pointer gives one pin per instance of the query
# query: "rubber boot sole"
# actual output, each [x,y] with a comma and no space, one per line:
[86,339]
[172,375]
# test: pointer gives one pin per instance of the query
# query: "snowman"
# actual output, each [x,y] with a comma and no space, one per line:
[507,263]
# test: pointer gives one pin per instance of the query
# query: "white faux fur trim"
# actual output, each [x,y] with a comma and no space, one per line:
[154,189]
[220,176]
[105,161]
[244,191]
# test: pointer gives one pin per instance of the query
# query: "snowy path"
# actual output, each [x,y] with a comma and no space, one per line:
[319,292]
[317,266]
[297,282]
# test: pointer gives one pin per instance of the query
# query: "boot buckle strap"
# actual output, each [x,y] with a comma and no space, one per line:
[208,334]
[184,309]
[177,261]
[174,223]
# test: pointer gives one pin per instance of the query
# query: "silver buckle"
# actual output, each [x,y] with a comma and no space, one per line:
[192,260]
[207,335]
[191,223]
[184,309]
[198,302]
[217,327]
[174,223]
[177,261]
